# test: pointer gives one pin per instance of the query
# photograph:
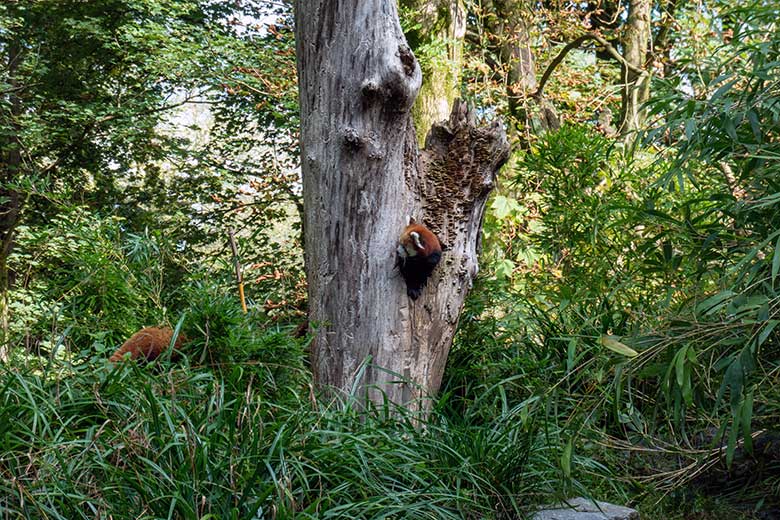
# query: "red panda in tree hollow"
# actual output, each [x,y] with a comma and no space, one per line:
[147,344]
[418,253]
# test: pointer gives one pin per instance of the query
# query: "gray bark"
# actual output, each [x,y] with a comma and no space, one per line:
[363,177]
[635,81]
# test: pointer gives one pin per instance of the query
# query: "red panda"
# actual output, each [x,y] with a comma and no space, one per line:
[148,343]
[418,252]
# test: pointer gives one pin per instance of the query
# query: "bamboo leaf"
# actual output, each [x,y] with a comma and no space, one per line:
[722,90]
[766,330]
[566,459]
[679,365]
[731,444]
[715,302]
[687,388]
[747,418]
[571,352]
[614,345]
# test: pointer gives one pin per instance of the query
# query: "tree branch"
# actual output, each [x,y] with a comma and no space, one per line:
[661,39]
[163,108]
[17,88]
[575,44]
[105,119]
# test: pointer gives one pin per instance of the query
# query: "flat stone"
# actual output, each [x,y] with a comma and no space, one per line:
[581,508]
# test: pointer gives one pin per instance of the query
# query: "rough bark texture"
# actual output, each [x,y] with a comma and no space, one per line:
[363,177]
[636,85]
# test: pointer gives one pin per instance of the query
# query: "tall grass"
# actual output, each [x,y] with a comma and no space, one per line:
[187,442]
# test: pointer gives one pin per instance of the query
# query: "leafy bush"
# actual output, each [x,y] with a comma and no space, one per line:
[727,135]
[605,299]
[78,275]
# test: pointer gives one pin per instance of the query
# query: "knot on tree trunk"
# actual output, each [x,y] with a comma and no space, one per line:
[459,165]
[395,83]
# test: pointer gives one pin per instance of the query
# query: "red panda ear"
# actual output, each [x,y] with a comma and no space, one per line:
[418,240]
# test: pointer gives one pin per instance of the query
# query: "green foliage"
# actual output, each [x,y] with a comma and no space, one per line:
[233,429]
[113,95]
[103,82]
[192,442]
[584,235]
[633,311]
[248,346]
[729,130]
[634,293]
[426,26]
[627,302]
[111,440]
[80,275]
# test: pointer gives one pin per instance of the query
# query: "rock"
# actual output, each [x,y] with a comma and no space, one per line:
[583,509]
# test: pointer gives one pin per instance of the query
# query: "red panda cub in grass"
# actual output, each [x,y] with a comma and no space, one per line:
[147,344]
[418,253]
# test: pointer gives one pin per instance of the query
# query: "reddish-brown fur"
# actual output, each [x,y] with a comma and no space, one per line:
[417,255]
[147,344]
[429,241]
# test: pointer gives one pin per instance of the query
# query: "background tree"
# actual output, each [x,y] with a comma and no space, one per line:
[622,32]
[625,42]
[435,30]
[508,25]
[362,179]
[635,75]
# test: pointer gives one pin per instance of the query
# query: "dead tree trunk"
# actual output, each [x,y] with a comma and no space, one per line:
[363,177]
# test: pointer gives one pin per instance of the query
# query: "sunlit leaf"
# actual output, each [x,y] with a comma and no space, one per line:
[613,344]
[566,459]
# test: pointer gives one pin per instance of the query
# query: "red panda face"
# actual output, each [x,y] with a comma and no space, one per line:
[418,240]
[418,253]
[412,246]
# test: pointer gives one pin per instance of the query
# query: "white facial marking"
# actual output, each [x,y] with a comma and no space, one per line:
[416,239]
